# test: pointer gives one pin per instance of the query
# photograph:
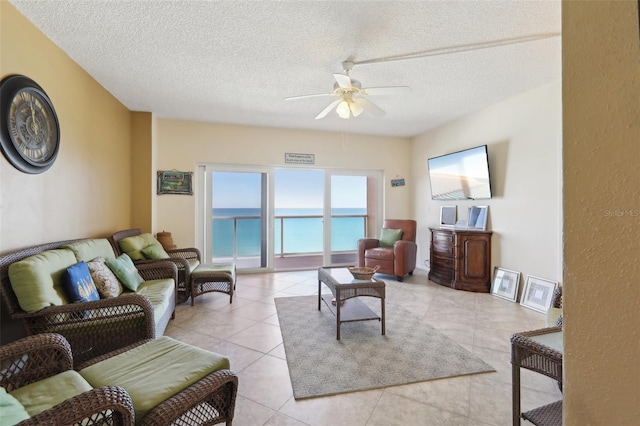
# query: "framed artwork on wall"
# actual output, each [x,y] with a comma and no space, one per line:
[537,293]
[505,284]
[174,182]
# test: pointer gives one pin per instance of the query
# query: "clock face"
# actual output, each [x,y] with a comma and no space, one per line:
[30,132]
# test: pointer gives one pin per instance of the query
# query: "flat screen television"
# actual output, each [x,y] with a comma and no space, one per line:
[462,175]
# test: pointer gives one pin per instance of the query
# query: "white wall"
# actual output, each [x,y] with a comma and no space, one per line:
[182,145]
[524,136]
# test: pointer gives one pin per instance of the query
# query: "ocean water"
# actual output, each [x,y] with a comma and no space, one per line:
[300,234]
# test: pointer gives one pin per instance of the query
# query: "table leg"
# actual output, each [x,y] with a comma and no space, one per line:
[319,293]
[382,314]
[338,303]
[515,391]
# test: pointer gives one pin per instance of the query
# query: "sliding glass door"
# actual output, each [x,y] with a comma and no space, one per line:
[286,218]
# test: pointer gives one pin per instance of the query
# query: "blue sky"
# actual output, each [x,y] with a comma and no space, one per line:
[294,188]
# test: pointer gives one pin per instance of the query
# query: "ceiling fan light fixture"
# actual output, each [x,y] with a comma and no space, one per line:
[343,110]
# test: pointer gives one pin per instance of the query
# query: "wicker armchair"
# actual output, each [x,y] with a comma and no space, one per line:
[210,400]
[35,358]
[91,328]
[182,257]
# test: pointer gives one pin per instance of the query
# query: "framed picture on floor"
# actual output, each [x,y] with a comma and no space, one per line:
[505,284]
[537,293]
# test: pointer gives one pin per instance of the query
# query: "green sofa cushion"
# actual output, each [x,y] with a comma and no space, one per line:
[388,237]
[89,249]
[155,251]
[133,246]
[126,271]
[44,394]
[39,281]
[159,293]
[11,411]
[155,371]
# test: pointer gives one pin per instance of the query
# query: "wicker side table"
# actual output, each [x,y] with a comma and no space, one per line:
[539,351]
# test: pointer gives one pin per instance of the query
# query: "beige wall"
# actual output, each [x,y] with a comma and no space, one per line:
[87,191]
[142,157]
[182,145]
[601,172]
[523,138]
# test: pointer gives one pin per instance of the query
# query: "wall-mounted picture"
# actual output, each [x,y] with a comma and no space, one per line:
[478,217]
[537,293]
[174,182]
[448,215]
[505,284]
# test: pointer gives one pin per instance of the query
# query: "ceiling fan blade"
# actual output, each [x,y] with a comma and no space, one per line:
[370,107]
[328,109]
[343,80]
[356,107]
[388,90]
[309,96]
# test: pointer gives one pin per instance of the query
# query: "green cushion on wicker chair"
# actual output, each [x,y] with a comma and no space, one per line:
[155,371]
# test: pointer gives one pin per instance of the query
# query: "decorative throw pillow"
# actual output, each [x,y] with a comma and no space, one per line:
[104,279]
[126,271]
[79,285]
[155,251]
[388,237]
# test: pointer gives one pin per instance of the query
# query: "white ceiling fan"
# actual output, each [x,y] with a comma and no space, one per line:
[350,98]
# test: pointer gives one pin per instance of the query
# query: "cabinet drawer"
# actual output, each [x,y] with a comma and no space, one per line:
[441,262]
[448,250]
[442,238]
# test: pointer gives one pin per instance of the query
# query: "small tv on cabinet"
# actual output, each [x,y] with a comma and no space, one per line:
[462,175]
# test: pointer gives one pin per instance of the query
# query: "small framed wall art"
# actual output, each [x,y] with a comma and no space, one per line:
[505,284]
[174,182]
[537,293]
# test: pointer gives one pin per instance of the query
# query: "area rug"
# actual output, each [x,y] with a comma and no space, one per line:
[411,351]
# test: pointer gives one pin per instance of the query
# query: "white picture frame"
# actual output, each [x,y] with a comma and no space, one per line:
[505,284]
[477,218]
[537,293]
[448,215]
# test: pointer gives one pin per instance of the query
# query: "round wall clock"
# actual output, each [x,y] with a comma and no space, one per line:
[29,128]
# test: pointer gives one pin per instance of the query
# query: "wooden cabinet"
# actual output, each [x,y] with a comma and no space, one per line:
[461,259]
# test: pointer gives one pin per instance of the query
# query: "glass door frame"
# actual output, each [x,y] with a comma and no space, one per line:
[379,208]
[204,215]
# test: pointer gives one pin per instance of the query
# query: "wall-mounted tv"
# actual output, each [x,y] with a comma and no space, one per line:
[462,175]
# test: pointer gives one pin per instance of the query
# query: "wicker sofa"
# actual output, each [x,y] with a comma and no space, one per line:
[41,384]
[96,327]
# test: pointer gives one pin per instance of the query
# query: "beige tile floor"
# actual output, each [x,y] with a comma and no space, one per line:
[247,332]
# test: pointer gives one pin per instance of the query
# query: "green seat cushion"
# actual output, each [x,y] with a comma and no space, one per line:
[11,411]
[44,394]
[160,293]
[39,281]
[89,249]
[155,251]
[211,269]
[388,237]
[126,271]
[155,371]
[133,246]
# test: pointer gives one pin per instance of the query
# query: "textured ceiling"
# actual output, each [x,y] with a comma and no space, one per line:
[236,61]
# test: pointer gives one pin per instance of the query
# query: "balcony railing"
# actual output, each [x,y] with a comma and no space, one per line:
[240,236]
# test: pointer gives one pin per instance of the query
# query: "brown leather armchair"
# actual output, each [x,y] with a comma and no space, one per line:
[398,260]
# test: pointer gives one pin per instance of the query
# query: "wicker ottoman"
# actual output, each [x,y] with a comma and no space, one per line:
[208,277]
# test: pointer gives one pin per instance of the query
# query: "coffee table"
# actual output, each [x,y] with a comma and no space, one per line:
[346,290]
